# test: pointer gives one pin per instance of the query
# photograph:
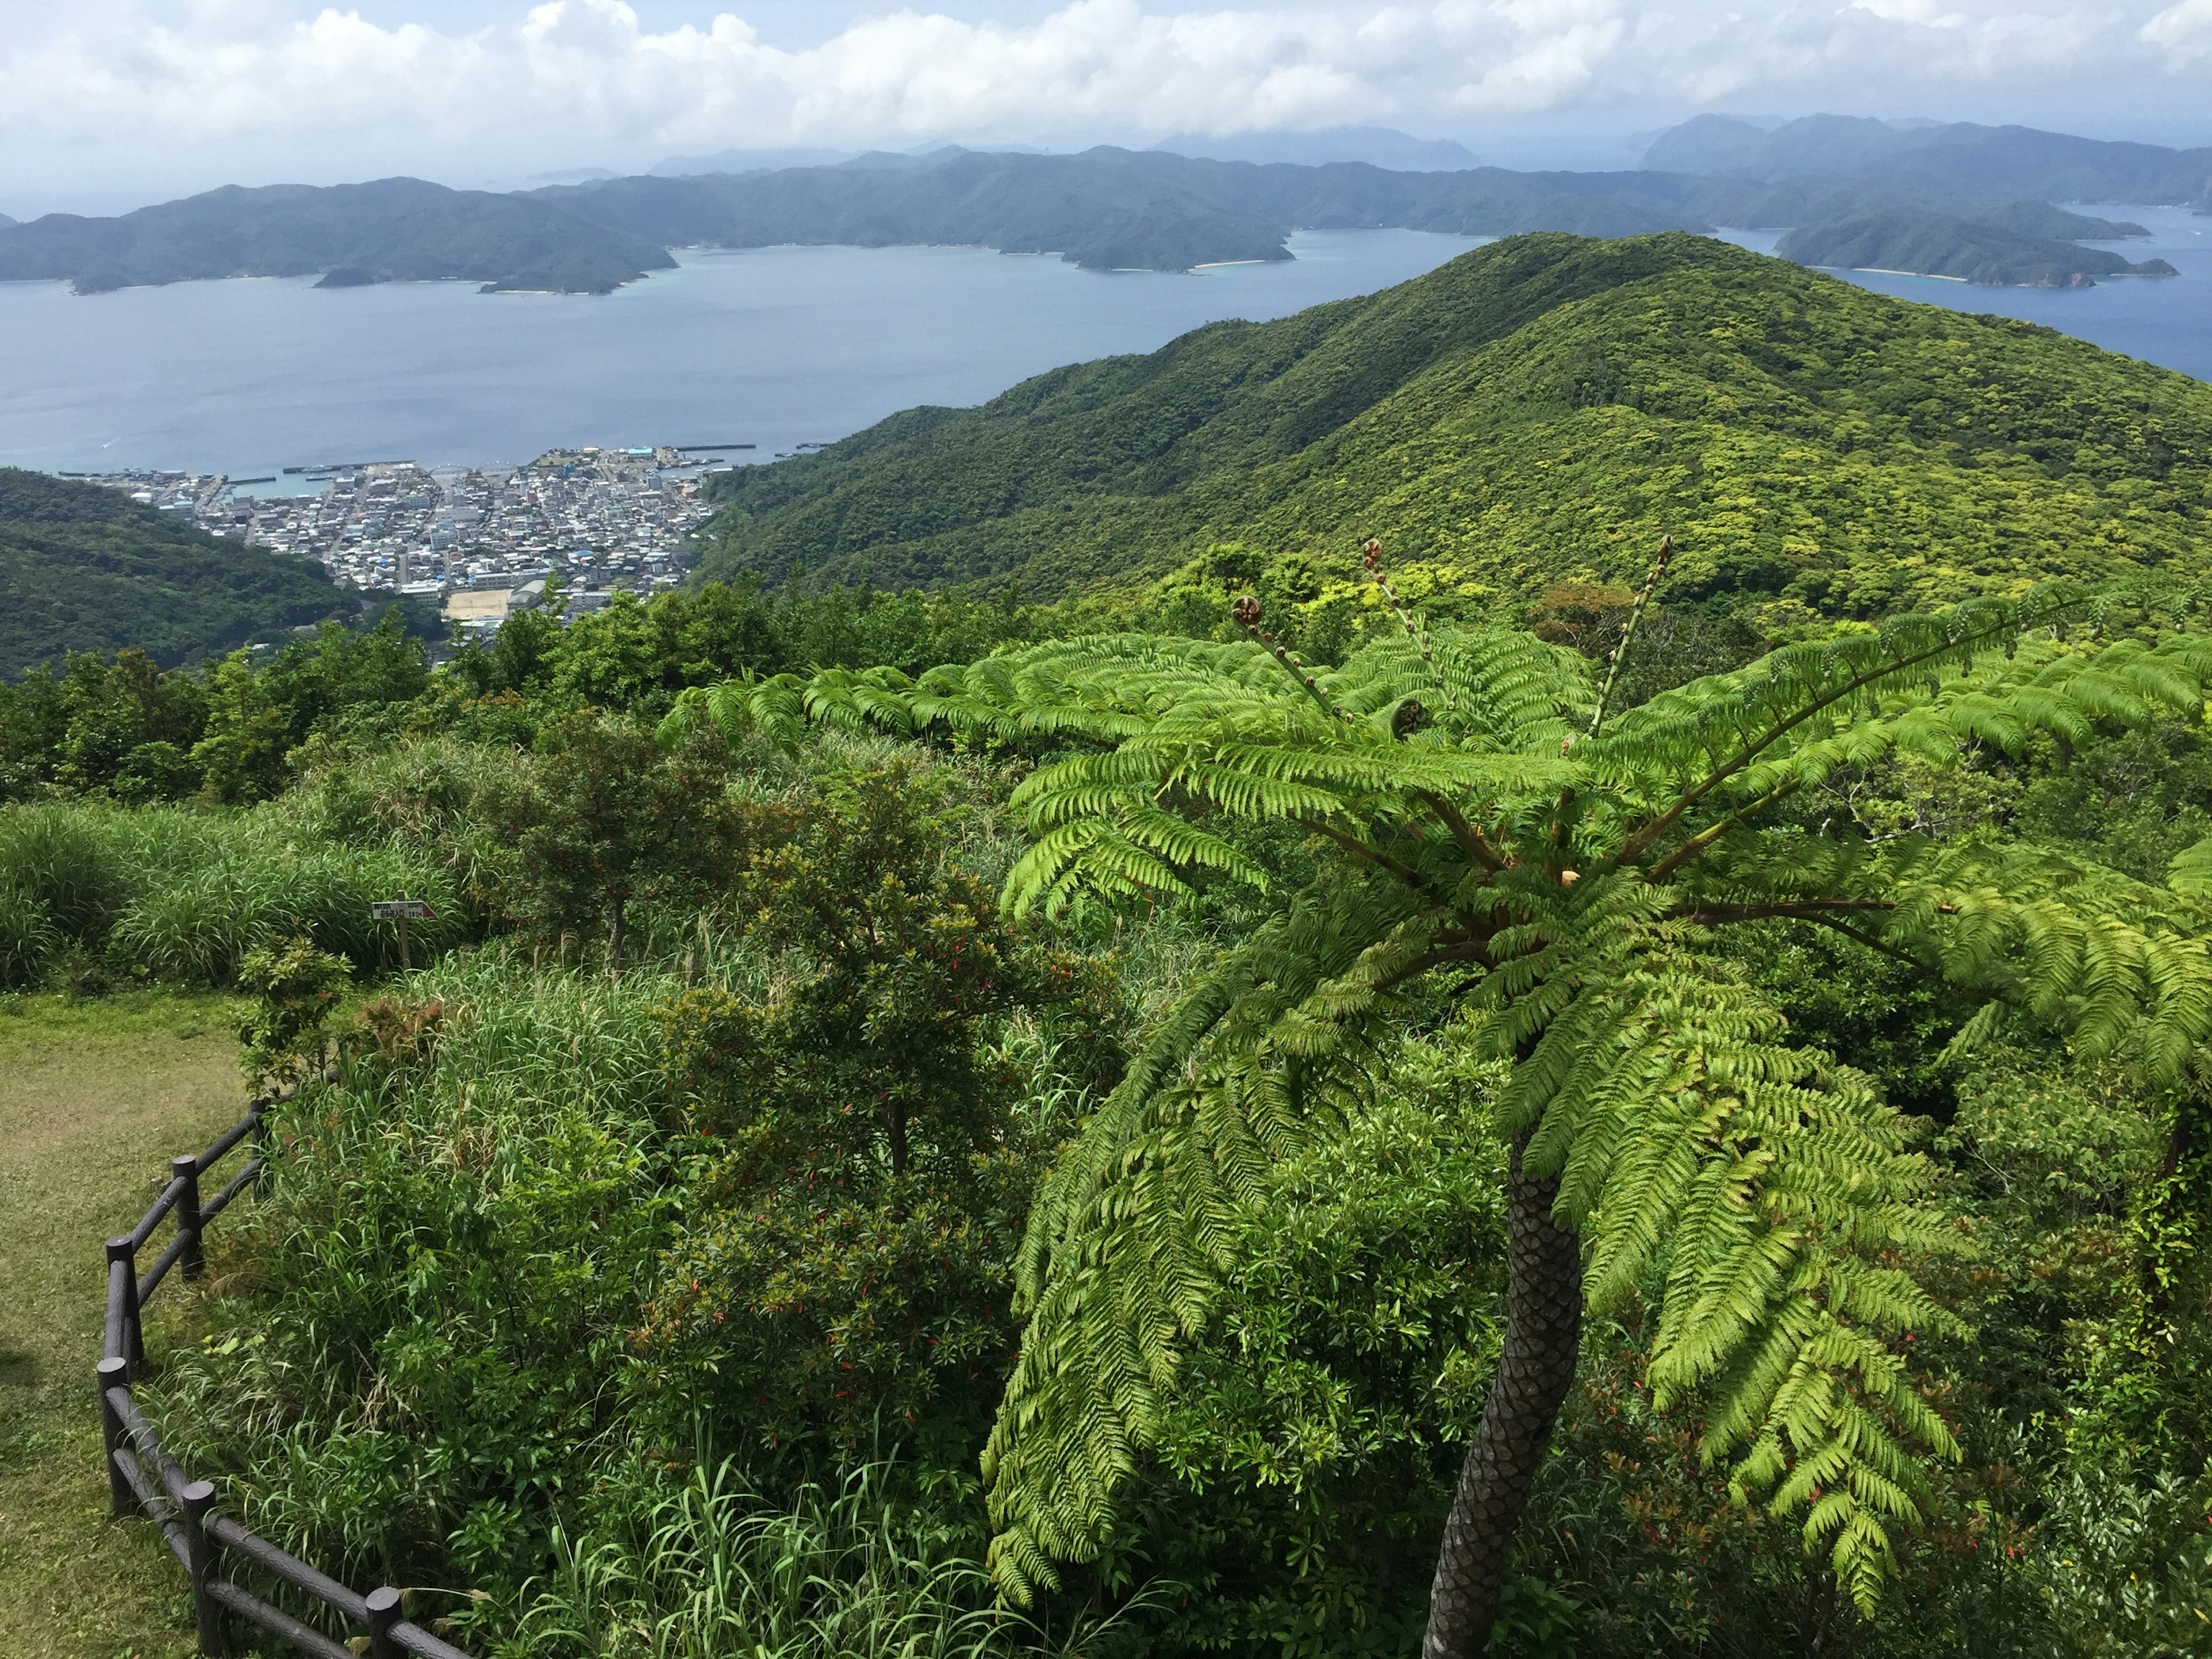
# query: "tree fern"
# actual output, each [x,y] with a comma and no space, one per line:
[1567,872]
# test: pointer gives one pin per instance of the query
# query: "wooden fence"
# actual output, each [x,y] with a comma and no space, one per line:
[144,1480]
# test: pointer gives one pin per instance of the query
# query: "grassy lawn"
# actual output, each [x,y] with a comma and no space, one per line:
[94,1099]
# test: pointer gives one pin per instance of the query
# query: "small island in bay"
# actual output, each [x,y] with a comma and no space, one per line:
[1916,243]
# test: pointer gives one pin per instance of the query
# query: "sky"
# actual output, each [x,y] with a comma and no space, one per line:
[107,104]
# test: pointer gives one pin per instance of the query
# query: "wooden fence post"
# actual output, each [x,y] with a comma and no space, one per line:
[200,1551]
[114,1374]
[383,1613]
[120,1249]
[260,1110]
[186,1168]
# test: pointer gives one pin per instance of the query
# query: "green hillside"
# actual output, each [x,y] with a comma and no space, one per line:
[1540,408]
[84,569]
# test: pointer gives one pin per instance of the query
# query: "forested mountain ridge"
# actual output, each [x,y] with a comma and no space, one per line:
[1110,208]
[1107,207]
[84,569]
[1540,408]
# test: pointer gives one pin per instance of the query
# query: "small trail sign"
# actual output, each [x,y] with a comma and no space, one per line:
[402,911]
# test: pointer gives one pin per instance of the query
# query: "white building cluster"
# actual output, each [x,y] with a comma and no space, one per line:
[474,539]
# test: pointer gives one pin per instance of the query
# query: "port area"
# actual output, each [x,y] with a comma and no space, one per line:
[476,541]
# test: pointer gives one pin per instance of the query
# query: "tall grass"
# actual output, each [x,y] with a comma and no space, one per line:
[715,1568]
[170,894]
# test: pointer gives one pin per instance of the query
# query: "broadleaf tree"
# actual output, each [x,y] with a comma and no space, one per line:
[1564,873]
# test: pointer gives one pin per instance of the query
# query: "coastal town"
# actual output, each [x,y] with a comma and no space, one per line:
[478,541]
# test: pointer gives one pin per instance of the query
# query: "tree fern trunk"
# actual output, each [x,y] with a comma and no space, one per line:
[1535,1367]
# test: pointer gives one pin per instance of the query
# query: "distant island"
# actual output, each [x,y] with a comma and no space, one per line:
[1109,209]
[1939,245]
[393,230]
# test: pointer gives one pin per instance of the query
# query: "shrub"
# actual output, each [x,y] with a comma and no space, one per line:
[611,818]
[846,1257]
[296,989]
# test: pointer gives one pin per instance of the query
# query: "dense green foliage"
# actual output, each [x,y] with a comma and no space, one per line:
[124,729]
[84,569]
[1569,872]
[100,897]
[497,1374]
[393,230]
[1937,244]
[669,1311]
[229,731]
[1540,408]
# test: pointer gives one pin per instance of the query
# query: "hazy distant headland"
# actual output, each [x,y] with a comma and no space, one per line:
[1960,201]
[1961,155]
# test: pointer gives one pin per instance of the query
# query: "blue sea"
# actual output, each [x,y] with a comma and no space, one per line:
[774,347]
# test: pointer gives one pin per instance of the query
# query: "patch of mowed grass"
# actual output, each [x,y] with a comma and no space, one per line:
[95,1096]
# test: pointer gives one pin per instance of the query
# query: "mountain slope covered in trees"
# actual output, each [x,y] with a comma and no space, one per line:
[84,569]
[1540,408]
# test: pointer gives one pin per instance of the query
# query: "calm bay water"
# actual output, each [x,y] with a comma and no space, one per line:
[775,346]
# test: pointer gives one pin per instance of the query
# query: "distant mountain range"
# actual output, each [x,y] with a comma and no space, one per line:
[1110,209]
[1379,147]
[1114,209]
[739,160]
[1959,156]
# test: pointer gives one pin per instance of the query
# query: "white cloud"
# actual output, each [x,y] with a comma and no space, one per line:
[109,84]
[2184,30]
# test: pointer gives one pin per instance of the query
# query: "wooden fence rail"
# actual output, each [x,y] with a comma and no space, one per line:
[143,1480]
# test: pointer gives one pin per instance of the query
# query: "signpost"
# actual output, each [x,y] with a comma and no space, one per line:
[402,911]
